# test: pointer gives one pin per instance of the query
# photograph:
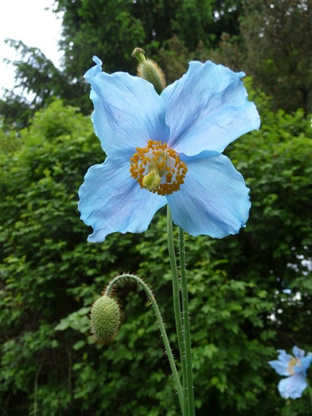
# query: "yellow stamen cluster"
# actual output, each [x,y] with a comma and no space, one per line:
[291,364]
[158,168]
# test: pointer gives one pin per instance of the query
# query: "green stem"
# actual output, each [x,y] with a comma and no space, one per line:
[36,388]
[160,323]
[176,299]
[187,331]
[310,393]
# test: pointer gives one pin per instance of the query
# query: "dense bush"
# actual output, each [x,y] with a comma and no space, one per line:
[50,275]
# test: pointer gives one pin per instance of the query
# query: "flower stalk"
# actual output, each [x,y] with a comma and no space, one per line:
[187,331]
[310,394]
[181,313]
[176,291]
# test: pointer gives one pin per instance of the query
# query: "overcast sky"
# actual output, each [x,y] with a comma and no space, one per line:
[28,21]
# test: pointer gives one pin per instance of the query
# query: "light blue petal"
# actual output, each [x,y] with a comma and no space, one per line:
[96,69]
[213,199]
[111,200]
[306,361]
[298,352]
[127,112]
[292,387]
[284,357]
[280,367]
[207,109]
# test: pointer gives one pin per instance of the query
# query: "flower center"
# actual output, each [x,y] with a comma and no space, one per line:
[291,364]
[158,168]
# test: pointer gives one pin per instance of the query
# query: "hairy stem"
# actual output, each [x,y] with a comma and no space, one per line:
[160,323]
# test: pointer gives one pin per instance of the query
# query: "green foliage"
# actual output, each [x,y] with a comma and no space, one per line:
[15,111]
[278,40]
[50,276]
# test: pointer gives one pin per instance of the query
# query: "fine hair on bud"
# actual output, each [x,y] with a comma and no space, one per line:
[150,71]
[105,319]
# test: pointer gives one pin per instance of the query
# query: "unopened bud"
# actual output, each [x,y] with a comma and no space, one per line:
[149,70]
[139,54]
[105,319]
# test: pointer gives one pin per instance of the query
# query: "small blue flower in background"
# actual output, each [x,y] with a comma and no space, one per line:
[295,367]
[167,149]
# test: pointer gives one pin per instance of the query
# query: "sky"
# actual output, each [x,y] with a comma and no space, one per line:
[28,21]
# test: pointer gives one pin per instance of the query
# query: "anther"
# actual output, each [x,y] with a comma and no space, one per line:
[157,168]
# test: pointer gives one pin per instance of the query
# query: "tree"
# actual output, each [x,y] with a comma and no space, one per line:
[278,40]
[111,30]
[37,78]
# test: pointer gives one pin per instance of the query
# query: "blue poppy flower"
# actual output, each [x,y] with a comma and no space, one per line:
[167,149]
[295,367]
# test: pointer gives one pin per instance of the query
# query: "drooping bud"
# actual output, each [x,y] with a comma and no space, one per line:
[105,319]
[149,70]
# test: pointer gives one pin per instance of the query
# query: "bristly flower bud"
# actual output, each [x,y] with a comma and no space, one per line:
[105,319]
[149,70]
